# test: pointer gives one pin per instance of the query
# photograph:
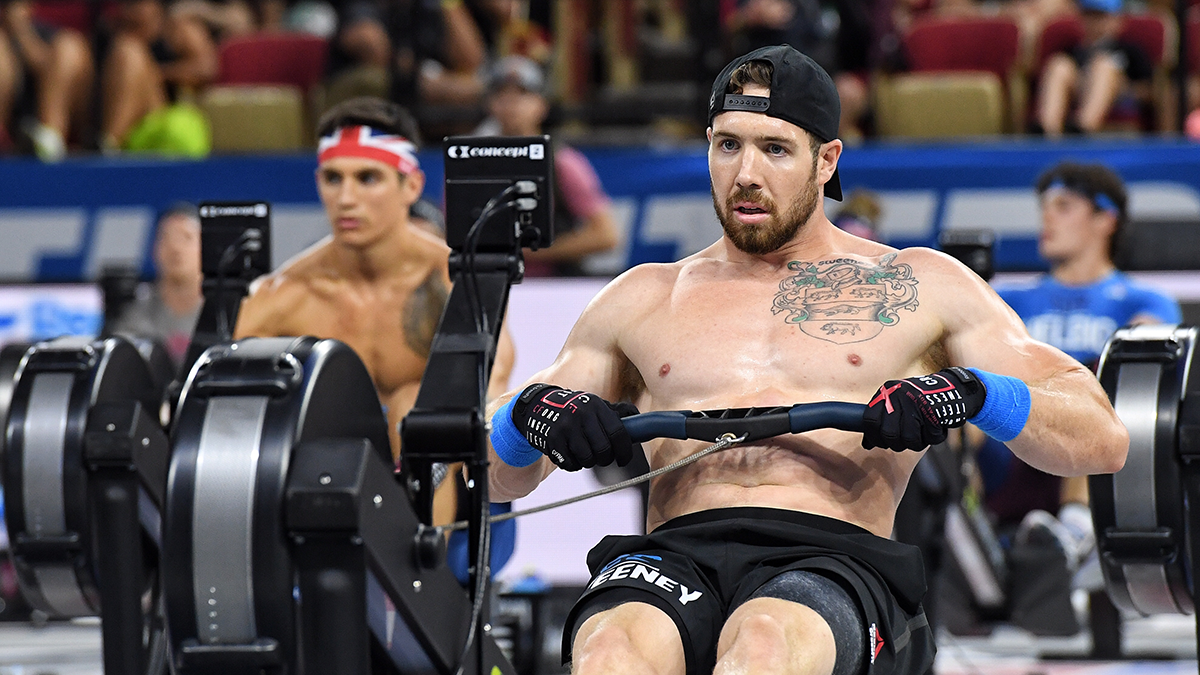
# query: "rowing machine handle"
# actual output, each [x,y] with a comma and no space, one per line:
[755,423]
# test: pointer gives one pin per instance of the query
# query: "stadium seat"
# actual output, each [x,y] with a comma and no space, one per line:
[354,82]
[278,74]
[1154,33]
[940,105]
[295,59]
[1058,35]
[1158,37]
[967,44]
[1193,44]
[963,80]
[256,119]
[75,14]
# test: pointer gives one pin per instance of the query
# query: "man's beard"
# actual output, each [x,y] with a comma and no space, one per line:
[777,230]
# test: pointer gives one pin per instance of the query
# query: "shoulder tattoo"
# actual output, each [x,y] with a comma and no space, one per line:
[422,313]
[844,300]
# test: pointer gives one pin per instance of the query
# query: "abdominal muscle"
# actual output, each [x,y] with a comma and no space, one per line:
[825,473]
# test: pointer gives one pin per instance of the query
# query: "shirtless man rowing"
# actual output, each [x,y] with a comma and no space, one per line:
[773,557]
[377,282]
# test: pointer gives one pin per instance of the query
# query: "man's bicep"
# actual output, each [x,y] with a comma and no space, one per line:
[584,368]
[984,332]
[593,357]
[590,359]
[997,341]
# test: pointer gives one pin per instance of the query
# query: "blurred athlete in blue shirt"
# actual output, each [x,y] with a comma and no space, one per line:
[1084,299]
[1076,307]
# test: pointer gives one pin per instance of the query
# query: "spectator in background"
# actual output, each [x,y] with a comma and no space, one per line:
[1078,89]
[432,51]
[155,64]
[583,220]
[507,29]
[228,19]
[46,75]
[166,311]
[234,18]
[1076,308]
[840,38]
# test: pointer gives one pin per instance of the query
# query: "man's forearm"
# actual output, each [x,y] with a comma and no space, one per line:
[1072,429]
[507,482]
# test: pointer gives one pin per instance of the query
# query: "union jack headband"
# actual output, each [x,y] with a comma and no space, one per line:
[368,143]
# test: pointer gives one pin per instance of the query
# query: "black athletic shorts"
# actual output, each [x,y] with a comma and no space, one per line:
[699,567]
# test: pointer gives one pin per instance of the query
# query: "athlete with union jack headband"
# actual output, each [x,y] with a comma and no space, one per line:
[377,282]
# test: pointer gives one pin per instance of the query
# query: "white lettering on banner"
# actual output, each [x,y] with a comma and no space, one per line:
[686,220]
[1165,201]
[1015,211]
[1074,332]
[1004,211]
[614,262]
[904,213]
[37,312]
[121,236]
[28,235]
[295,227]
[125,235]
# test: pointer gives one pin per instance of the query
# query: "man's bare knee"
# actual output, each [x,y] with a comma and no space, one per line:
[630,638]
[71,51]
[1060,69]
[769,635]
[129,53]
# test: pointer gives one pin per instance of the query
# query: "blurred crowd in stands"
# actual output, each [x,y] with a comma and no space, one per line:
[190,77]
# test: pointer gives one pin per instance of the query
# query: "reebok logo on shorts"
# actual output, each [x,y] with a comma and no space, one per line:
[638,567]
[875,642]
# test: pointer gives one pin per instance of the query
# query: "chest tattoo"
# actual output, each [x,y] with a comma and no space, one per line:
[844,300]
[422,313]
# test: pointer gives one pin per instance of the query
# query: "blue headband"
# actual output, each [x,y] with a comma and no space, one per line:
[1101,200]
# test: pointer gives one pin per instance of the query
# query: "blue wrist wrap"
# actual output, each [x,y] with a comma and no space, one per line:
[1006,407]
[510,446]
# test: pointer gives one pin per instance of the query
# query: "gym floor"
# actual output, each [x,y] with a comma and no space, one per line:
[1160,645]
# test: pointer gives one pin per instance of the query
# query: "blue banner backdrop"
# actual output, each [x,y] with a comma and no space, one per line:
[64,221]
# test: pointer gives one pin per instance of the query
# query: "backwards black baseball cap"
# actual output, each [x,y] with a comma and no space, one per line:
[801,93]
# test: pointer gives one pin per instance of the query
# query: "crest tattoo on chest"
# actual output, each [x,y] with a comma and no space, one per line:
[845,300]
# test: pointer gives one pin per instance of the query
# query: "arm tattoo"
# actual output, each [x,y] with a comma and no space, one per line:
[422,313]
[844,300]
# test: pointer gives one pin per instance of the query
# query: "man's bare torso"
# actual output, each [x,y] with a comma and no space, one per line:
[830,329]
[388,321]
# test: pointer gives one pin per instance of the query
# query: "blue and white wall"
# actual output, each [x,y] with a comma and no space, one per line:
[64,222]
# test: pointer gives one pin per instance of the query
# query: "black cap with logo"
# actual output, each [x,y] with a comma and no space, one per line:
[801,93]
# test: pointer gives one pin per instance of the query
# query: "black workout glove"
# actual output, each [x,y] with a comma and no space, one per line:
[914,413]
[575,429]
